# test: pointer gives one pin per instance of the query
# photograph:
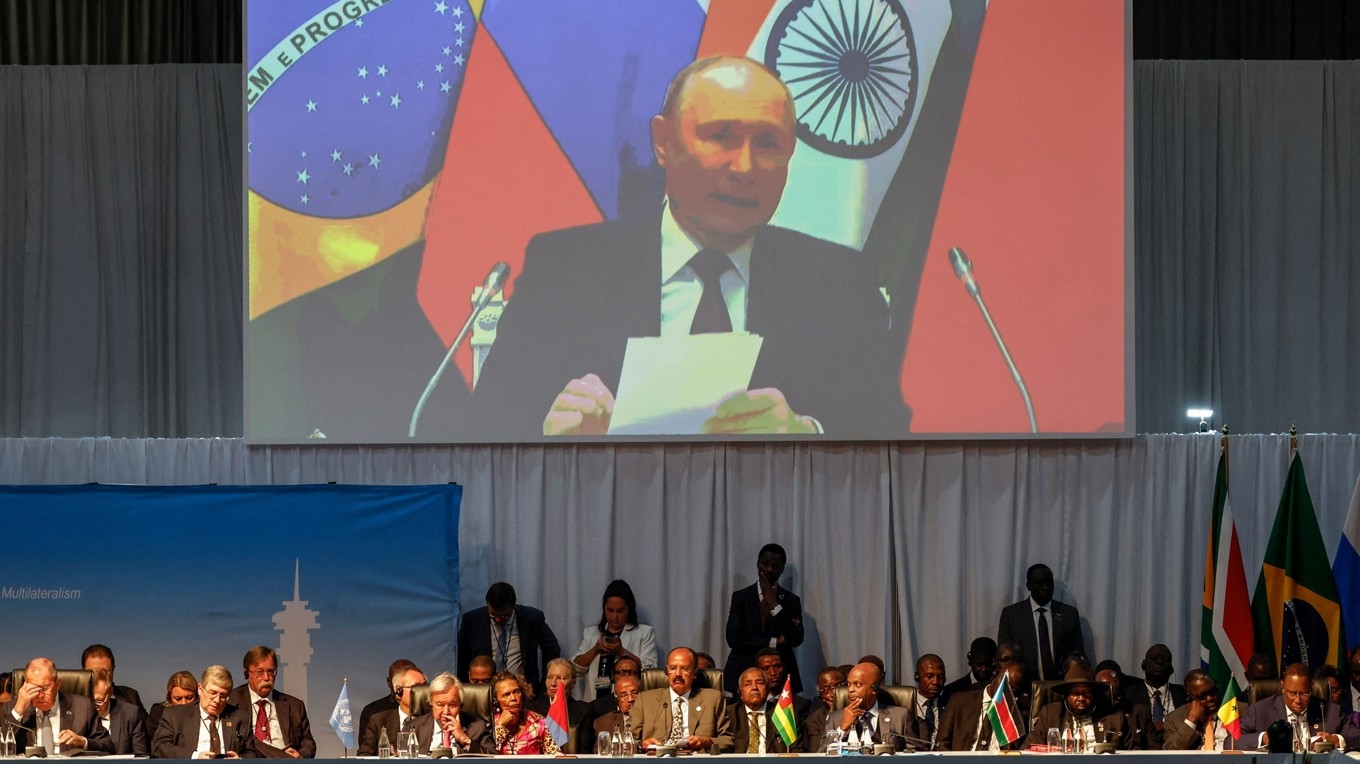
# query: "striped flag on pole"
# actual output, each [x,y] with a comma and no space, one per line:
[557,717]
[1226,627]
[783,715]
[1007,726]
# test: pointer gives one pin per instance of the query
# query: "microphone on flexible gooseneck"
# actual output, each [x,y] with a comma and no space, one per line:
[963,268]
[495,282]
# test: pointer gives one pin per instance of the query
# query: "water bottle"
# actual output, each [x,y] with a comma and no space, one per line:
[832,742]
[7,742]
[1069,743]
[616,741]
[629,745]
[384,745]
[412,745]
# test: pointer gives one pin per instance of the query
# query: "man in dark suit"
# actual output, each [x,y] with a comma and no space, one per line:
[1045,629]
[280,722]
[771,664]
[626,692]
[445,725]
[702,724]
[865,721]
[61,722]
[126,725]
[764,615]
[930,700]
[828,679]
[206,729]
[608,704]
[963,726]
[516,636]
[1311,718]
[394,720]
[97,657]
[981,669]
[708,262]
[1156,691]
[388,701]
[1085,703]
[752,719]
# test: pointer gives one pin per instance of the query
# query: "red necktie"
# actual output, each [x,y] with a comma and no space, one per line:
[262,723]
[448,739]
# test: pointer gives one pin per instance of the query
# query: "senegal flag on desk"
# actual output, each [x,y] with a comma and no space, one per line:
[1296,607]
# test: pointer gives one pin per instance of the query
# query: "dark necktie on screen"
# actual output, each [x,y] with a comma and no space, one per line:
[262,722]
[712,315]
[1045,647]
[503,643]
[1158,708]
[752,733]
[214,740]
[930,717]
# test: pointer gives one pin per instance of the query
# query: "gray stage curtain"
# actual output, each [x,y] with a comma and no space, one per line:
[896,549]
[120,250]
[121,288]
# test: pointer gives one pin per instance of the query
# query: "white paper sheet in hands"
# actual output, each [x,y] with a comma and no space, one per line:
[671,385]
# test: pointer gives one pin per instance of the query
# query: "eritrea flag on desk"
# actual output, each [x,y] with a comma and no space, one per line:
[1296,607]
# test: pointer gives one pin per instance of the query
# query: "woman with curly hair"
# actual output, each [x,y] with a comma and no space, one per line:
[517,730]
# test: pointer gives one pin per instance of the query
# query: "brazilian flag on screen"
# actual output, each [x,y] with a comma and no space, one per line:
[1296,608]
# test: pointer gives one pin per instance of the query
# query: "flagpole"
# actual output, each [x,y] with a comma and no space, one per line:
[1293,440]
[1227,466]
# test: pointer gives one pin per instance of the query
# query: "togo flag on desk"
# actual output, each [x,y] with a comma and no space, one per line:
[342,721]
[783,714]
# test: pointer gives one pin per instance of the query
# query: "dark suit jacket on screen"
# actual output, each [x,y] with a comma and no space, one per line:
[1017,625]
[177,735]
[293,723]
[746,638]
[1113,725]
[127,728]
[893,721]
[1322,717]
[584,291]
[77,714]
[741,728]
[536,641]
[479,735]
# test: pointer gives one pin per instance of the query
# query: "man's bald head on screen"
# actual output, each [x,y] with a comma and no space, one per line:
[724,136]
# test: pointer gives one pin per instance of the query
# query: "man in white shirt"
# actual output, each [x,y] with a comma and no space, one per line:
[688,717]
[1195,726]
[280,723]
[863,722]
[44,716]
[124,721]
[396,720]
[209,729]
[1312,719]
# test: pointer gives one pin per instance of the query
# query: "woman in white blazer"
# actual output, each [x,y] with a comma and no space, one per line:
[618,634]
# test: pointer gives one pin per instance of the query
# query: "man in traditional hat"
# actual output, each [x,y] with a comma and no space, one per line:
[1085,703]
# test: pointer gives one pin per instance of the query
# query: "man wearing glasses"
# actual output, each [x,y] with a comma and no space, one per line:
[608,705]
[395,720]
[1311,719]
[280,724]
[827,682]
[59,722]
[124,721]
[517,637]
[209,729]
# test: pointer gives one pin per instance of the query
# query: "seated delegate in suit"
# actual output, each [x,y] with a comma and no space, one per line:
[626,691]
[1045,630]
[682,715]
[771,664]
[1156,691]
[562,674]
[617,635]
[97,657]
[608,703]
[181,689]
[516,636]
[864,721]
[124,721]
[762,615]
[964,725]
[445,725]
[752,719]
[1310,718]
[1085,702]
[394,720]
[208,729]
[280,723]
[43,715]
[1194,725]
[515,730]
[981,669]
[708,261]
[1137,719]
[388,701]
[815,724]
[930,681]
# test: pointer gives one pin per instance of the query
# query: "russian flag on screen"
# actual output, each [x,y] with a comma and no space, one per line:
[1346,571]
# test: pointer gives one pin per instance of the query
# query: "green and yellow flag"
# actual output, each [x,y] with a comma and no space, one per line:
[1296,607]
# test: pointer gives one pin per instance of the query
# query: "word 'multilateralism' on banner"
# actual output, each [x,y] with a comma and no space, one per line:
[38,593]
[301,40]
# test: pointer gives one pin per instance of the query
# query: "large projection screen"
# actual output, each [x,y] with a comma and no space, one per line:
[914,216]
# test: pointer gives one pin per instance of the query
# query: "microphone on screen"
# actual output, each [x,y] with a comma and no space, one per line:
[963,269]
[492,286]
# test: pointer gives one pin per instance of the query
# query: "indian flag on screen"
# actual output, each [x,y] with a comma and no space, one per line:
[783,714]
[1003,715]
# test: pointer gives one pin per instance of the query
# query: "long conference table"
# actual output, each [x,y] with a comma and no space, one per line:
[1122,757]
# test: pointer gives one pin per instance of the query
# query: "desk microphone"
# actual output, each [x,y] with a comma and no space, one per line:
[495,282]
[963,269]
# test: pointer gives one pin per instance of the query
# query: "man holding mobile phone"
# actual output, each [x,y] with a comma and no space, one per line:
[764,615]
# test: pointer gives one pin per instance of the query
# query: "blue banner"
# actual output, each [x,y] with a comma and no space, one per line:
[341,580]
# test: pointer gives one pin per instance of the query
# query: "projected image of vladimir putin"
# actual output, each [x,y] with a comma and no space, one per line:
[708,261]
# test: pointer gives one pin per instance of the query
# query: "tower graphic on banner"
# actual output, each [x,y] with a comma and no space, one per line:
[295,644]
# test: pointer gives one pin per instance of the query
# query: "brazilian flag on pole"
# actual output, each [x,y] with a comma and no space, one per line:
[1296,607]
